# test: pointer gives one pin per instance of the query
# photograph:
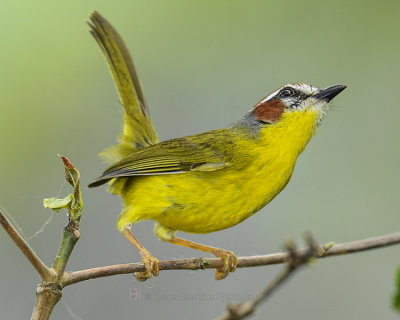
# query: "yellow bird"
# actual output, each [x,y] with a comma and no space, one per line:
[204,182]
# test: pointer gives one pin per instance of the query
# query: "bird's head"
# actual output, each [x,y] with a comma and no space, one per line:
[289,116]
[295,98]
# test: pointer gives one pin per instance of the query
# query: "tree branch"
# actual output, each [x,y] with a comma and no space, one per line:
[54,279]
[243,262]
[44,272]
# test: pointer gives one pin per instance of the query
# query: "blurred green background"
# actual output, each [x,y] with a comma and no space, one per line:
[203,64]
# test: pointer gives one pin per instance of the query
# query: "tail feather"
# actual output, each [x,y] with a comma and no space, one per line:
[138,129]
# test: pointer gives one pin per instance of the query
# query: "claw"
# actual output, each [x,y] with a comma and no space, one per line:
[230,263]
[151,264]
[229,258]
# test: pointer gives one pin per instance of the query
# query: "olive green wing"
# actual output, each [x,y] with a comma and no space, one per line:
[203,152]
[138,129]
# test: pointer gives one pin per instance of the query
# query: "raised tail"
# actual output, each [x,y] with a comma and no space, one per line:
[138,130]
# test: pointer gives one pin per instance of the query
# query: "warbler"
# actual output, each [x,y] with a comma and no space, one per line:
[204,182]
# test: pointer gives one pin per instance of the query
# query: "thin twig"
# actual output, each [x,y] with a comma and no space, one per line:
[295,260]
[243,262]
[44,272]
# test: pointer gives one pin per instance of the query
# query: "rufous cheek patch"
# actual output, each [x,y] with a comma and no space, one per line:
[269,111]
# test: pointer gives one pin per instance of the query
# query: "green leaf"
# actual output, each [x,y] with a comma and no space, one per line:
[58,204]
[396,295]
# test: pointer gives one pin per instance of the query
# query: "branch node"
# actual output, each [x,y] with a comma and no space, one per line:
[203,263]
[324,250]
[47,296]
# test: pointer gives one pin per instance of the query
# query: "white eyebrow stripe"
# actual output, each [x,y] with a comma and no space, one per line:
[273,94]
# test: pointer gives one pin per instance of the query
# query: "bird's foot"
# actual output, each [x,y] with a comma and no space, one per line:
[151,264]
[230,263]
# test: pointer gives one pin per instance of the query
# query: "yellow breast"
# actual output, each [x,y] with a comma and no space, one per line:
[203,202]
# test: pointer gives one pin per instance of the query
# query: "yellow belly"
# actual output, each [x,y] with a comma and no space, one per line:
[203,202]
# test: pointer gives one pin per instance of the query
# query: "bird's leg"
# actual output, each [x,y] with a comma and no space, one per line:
[151,263]
[230,259]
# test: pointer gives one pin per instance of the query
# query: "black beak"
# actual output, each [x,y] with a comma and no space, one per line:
[329,93]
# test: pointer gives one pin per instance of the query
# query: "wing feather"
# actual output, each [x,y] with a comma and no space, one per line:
[203,152]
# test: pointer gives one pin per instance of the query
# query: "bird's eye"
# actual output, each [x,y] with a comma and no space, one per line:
[286,92]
